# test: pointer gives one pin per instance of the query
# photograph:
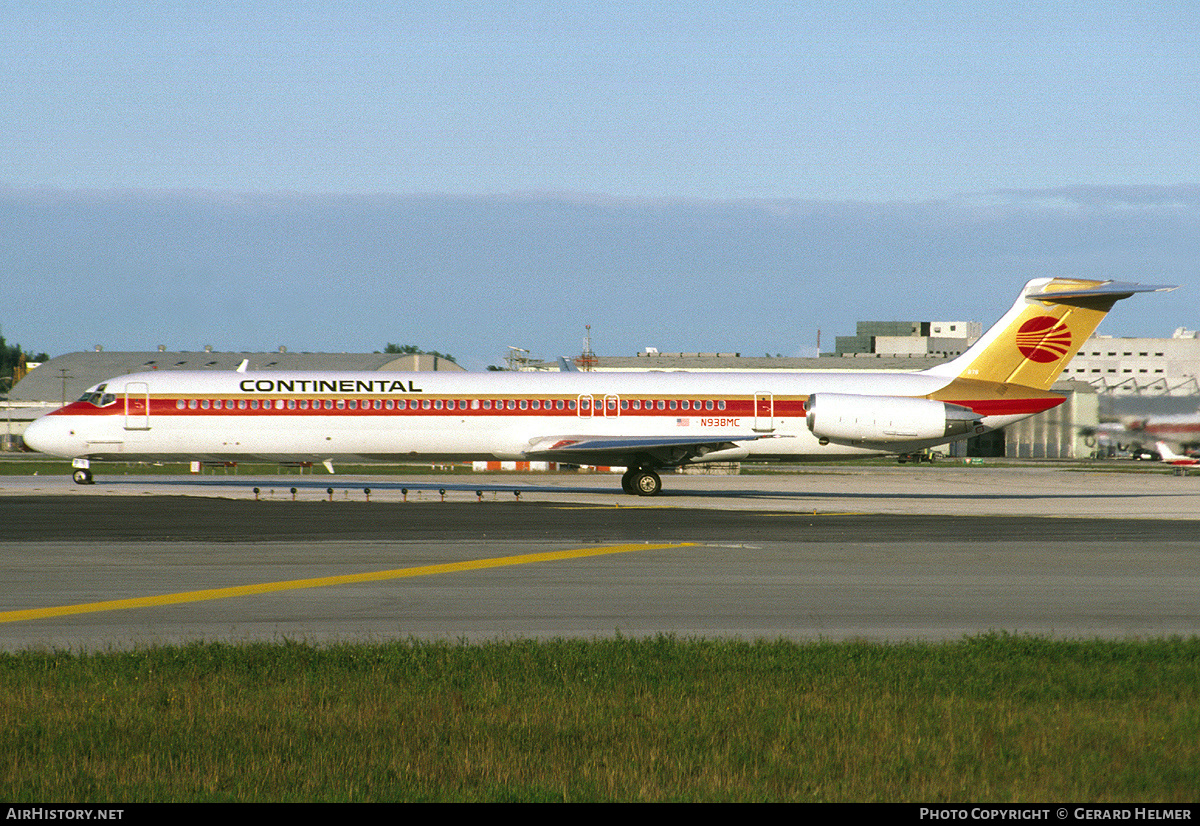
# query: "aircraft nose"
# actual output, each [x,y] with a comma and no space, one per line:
[50,434]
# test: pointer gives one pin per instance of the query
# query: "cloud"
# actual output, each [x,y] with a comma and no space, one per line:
[1181,196]
[471,275]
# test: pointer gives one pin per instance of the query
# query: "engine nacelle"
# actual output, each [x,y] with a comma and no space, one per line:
[847,419]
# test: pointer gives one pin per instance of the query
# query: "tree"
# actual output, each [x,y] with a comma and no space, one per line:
[11,357]
[412,350]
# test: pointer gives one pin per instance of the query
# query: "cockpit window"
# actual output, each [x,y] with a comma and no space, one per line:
[98,397]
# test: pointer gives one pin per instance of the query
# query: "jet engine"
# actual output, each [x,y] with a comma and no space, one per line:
[848,419]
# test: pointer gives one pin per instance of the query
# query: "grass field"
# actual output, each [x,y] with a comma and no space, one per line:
[992,718]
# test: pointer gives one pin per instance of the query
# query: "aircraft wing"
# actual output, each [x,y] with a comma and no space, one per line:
[632,450]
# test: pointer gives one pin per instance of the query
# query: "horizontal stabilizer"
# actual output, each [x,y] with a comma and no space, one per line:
[1116,290]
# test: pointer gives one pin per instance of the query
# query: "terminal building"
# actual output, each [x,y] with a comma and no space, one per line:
[924,339]
[1140,366]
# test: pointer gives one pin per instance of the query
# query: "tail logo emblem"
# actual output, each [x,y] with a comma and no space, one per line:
[1044,339]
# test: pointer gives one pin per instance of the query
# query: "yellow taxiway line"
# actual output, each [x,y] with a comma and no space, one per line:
[321,582]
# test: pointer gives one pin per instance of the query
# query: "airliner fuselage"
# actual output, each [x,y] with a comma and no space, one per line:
[452,416]
[643,421]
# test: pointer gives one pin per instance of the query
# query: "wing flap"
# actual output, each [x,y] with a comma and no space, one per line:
[634,450]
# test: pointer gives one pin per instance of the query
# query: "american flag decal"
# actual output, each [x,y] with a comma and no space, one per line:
[681,422]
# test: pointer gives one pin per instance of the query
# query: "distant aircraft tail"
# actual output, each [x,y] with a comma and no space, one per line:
[1167,455]
[1032,343]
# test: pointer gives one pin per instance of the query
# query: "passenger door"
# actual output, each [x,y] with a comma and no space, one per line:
[137,406]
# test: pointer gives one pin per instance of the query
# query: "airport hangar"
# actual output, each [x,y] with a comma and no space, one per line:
[1060,433]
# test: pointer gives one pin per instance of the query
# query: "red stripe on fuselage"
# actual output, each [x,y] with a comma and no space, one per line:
[696,409]
[790,408]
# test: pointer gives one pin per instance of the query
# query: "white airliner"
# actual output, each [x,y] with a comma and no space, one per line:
[644,421]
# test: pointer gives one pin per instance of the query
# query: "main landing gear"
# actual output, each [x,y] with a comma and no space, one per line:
[641,481]
[83,477]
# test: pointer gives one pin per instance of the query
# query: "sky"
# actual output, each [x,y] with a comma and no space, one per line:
[691,176]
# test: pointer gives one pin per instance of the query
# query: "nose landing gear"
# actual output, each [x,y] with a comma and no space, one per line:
[83,477]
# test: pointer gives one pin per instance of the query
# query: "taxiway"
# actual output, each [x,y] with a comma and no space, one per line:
[893,554]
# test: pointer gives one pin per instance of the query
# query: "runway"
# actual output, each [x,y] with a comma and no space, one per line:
[875,554]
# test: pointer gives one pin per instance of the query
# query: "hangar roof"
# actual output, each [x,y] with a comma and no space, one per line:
[45,383]
[718,361]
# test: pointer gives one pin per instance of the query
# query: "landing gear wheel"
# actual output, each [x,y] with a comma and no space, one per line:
[646,483]
[82,477]
[627,481]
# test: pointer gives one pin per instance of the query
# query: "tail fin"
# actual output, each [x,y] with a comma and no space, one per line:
[1032,343]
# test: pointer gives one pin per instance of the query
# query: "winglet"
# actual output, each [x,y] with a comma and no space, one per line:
[241,368]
